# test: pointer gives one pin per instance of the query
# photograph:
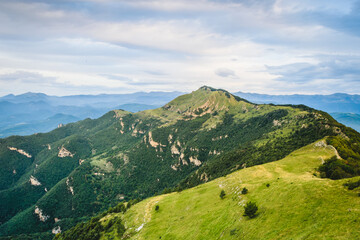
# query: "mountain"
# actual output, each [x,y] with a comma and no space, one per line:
[54,180]
[343,107]
[25,114]
[338,102]
[292,204]
[103,100]
[349,119]
[27,128]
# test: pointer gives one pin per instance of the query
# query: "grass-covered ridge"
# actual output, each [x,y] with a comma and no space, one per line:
[84,168]
[293,204]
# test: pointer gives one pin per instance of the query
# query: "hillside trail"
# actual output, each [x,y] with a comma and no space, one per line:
[149,206]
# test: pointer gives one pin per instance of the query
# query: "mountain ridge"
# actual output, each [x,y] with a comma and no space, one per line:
[93,106]
[93,164]
[292,203]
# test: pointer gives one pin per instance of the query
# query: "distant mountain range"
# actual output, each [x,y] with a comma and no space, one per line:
[345,108]
[338,102]
[31,113]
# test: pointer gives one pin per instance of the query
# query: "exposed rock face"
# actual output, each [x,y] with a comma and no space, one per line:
[204,177]
[153,143]
[170,138]
[81,161]
[60,125]
[34,181]
[70,188]
[42,217]
[126,159]
[56,230]
[99,174]
[195,161]
[219,138]
[20,151]
[214,152]
[276,123]
[63,152]
[320,144]
[182,159]
[175,150]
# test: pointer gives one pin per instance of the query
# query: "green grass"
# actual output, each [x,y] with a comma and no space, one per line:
[120,162]
[296,205]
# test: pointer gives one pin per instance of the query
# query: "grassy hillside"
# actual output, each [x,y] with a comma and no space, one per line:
[83,168]
[293,204]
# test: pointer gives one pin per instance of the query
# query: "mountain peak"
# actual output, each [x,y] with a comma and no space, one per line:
[204,100]
[211,89]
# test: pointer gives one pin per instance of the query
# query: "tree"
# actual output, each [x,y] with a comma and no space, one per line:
[157,208]
[250,209]
[222,194]
[244,190]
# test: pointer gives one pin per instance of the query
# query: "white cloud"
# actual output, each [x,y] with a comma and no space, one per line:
[172,45]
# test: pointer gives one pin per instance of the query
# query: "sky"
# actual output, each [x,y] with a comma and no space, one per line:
[62,47]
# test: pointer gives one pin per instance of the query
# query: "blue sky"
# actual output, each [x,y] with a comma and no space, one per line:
[105,46]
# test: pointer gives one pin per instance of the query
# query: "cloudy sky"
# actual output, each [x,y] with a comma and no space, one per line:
[63,47]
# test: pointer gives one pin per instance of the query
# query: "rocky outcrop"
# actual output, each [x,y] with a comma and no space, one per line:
[276,123]
[219,138]
[69,187]
[56,230]
[195,161]
[175,150]
[20,151]
[34,181]
[63,152]
[42,217]
[153,143]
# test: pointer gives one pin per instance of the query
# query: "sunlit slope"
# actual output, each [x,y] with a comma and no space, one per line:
[296,205]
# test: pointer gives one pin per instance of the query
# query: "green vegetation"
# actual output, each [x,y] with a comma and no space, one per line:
[353,184]
[250,209]
[222,194]
[244,190]
[83,168]
[348,147]
[297,206]
[96,227]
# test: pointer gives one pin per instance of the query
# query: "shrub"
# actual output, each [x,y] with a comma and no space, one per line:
[244,190]
[268,185]
[157,208]
[222,194]
[352,185]
[334,168]
[250,209]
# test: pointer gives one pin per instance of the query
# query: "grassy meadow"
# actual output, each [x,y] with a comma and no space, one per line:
[293,204]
